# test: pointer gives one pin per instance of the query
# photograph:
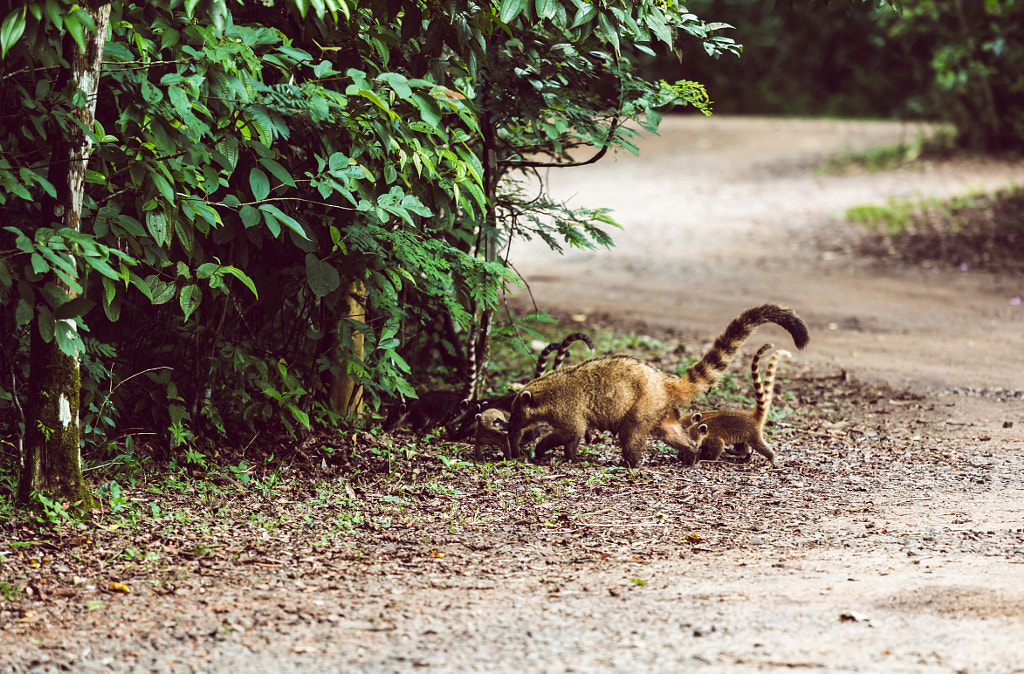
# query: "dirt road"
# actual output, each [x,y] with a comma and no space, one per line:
[720,214]
[889,538]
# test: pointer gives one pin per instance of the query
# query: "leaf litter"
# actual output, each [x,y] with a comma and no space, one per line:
[386,563]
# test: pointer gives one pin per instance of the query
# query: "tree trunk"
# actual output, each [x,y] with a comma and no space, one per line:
[346,397]
[52,458]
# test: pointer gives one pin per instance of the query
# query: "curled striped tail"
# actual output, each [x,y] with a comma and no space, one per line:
[562,349]
[706,372]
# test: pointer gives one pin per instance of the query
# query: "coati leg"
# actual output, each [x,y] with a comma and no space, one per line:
[568,440]
[711,449]
[762,448]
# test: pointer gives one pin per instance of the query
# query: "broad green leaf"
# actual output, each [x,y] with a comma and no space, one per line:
[260,184]
[280,172]
[288,221]
[546,9]
[163,186]
[250,216]
[584,14]
[397,82]
[11,31]
[39,265]
[241,276]
[159,228]
[189,299]
[322,277]
[510,9]
[68,339]
[22,313]
[430,111]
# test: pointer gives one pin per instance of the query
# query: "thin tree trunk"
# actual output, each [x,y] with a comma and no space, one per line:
[346,397]
[52,459]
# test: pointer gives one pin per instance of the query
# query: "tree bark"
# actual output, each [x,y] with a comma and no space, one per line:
[346,397]
[51,456]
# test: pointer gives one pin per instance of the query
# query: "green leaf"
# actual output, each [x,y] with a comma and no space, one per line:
[280,172]
[241,276]
[510,9]
[159,228]
[250,216]
[73,308]
[260,184]
[322,277]
[546,9]
[163,186]
[288,221]
[39,265]
[22,313]
[189,299]
[68,339]
[11,30]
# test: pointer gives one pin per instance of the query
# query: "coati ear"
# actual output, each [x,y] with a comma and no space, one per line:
[703,428]
[696,417]
[526,396]
[479,414]
[464,404]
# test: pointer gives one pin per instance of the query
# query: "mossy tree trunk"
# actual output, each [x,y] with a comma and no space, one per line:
[52,459]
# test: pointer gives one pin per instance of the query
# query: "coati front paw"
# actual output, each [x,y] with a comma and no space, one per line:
[687,457]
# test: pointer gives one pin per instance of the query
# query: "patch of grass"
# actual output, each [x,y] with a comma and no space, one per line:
[9,591]
[889,157]
[893,218]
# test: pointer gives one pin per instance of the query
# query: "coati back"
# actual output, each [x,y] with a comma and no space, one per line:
[742,428]
[491,429]
[628,397]
[465,423]
[423,413]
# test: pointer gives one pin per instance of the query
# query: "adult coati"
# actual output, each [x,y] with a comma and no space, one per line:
[628,397]
[491,429]
[712,431]
[464,424]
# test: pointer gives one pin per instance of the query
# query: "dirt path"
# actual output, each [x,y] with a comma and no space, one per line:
[890,537]
[721,214]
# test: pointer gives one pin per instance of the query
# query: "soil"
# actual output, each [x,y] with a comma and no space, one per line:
[888,537]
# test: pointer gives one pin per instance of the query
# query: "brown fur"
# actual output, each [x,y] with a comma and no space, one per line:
[742,428]
[491,429]
[626,396]
[464,424]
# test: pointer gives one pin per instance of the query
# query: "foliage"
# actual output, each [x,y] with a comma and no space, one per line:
[971,57]
[803,58]
[246,178]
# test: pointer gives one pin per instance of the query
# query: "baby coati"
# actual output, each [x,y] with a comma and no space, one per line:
[491,429]
[742,428]
[464,424]
[630,398]
[687,420]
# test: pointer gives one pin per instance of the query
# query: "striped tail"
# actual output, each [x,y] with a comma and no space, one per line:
[706,372]
[764,399]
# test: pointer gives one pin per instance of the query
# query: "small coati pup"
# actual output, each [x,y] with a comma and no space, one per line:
[742,428]
[491,429]
[688,419]
[630,398]
[463,425]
